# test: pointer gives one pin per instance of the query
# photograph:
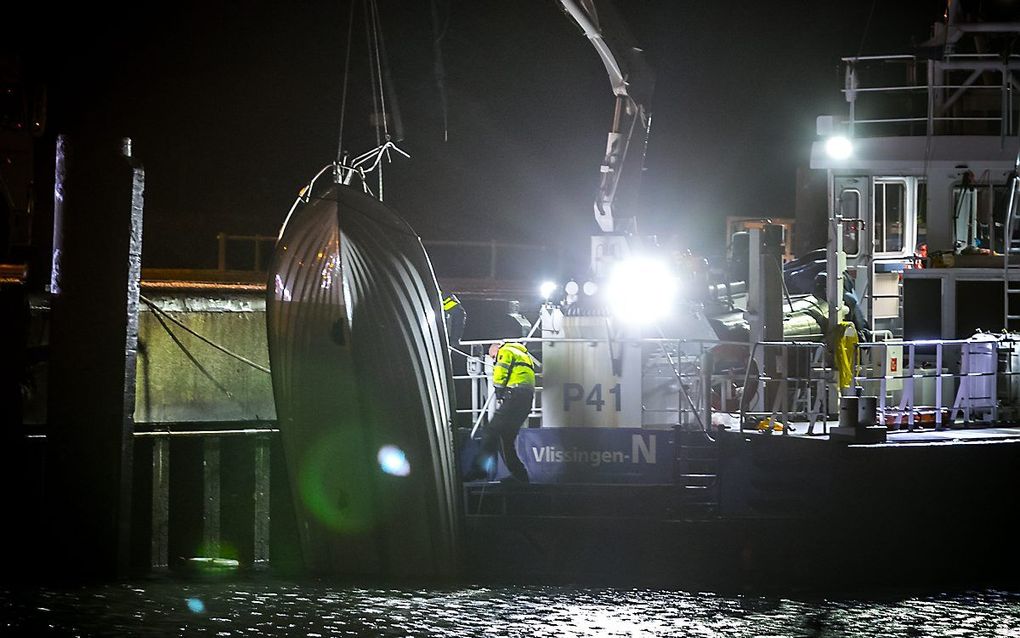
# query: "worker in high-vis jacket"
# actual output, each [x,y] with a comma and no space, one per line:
[513,376]
[455,317]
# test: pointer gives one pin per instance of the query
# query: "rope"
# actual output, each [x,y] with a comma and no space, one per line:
[370,37]
[161,313]
[371,68]
[376,38]
[191,357]
[343,97]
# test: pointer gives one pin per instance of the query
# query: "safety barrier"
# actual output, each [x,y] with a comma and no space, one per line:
[938,382]
[258,244]
[687,361]
[911,95]
[792,383]
[789,384]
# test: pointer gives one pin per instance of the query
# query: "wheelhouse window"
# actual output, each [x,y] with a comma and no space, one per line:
[890,211]
[850,208]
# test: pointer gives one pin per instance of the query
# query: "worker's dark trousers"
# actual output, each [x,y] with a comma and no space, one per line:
[501,433]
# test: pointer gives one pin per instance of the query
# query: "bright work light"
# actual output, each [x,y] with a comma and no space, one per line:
[839,147]
[641,290]
[547,289]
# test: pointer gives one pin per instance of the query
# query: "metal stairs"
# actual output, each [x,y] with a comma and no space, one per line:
[697,463]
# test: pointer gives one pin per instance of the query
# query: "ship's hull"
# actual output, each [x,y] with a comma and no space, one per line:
[363,389]
[788,513]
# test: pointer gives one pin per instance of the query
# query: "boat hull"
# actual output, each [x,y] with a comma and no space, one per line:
[363,389]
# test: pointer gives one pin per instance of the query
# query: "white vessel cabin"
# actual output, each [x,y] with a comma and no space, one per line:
[924,155]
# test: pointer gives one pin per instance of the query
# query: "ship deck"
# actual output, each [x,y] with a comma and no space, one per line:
[919,435]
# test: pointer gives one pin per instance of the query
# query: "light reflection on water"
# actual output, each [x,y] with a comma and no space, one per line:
[318,610]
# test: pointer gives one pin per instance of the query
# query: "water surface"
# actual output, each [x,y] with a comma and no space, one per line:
[318,610]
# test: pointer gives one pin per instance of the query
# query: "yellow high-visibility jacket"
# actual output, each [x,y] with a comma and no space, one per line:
[450,302]
[514,366]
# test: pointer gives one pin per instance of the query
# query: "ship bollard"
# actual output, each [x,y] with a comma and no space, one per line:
[849,412]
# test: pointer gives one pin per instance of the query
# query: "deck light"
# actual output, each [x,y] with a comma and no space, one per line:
[547,289]
[641,290]
[839,147]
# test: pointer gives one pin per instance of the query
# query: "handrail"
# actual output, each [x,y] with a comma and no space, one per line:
[977,388]
[255,240]
[944,82]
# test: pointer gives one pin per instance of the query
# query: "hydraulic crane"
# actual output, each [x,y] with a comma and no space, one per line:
[632,82]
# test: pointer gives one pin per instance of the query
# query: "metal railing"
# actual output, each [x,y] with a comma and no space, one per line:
[940,381]
[475,257]
[688,362]
[955,95]
[257,242]
[922,383]
[799,391]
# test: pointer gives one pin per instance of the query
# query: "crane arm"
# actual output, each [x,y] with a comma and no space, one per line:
[632,84]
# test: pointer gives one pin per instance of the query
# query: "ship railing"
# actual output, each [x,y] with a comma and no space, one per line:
[942,383]
[786,385]
[688,361]
[792,383]
[489,260]
[961,94]
[478,374]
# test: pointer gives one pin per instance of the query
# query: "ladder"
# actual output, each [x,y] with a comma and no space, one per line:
[1011,248]
[697,461]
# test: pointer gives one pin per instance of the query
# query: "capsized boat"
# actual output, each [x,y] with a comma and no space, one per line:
[363,388]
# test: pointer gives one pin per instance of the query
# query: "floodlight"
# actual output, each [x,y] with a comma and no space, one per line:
[590,288]
[641,290]
[839,147]
[547,289]
[571,287]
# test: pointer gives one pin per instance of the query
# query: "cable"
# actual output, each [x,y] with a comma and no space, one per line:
[377,47]
[371,70]
[191,357]
[343,96]
[160,312]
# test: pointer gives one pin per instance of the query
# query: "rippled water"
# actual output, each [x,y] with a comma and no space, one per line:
[319,610]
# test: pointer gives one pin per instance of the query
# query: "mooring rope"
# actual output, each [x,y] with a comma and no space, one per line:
[159,311]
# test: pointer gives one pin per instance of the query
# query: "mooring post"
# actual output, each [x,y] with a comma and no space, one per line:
[97,247]
[159,550]
[211,496]
[260,553]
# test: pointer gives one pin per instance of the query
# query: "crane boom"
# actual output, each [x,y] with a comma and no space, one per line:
[632,84]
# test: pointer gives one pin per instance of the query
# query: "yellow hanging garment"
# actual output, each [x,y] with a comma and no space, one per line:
[845,352]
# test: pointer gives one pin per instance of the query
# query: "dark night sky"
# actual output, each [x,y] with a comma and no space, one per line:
[234,106]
